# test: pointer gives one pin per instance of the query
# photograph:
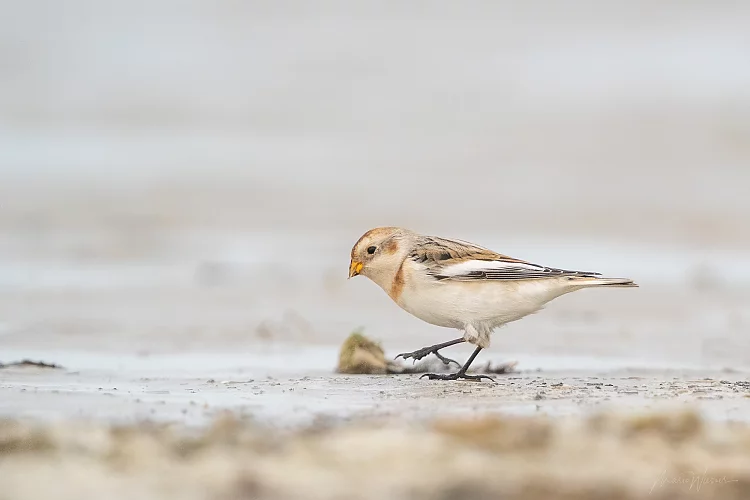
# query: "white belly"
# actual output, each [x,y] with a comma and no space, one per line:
[483,304]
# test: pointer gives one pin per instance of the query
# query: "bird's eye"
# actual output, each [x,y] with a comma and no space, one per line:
[371,250]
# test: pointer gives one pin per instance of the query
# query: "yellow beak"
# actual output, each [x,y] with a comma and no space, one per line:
[354,268]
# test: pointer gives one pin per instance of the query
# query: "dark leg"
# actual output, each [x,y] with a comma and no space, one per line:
[460,373]
[433,349]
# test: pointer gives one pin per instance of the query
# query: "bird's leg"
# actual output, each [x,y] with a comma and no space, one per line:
[460,373]
[433,349]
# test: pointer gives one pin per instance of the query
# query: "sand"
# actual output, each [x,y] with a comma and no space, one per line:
[289,387]
[664,456]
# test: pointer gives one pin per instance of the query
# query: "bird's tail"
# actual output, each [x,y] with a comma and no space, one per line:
[587,281]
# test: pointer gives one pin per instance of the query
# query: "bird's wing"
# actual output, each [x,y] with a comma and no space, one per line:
[458,260]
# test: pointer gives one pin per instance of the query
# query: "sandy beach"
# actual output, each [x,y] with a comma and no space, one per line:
[180,188]
[179,390]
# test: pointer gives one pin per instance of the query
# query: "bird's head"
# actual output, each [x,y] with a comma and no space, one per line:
[379,253]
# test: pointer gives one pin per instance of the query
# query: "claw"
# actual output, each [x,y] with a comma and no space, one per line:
[445,360]
[456,376]
[421,353]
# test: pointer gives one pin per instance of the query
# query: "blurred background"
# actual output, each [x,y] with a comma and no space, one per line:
[192,175]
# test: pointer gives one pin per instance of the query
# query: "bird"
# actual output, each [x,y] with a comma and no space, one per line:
[456,284]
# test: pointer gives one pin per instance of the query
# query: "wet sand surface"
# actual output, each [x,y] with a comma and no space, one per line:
[275,422]
[292,387]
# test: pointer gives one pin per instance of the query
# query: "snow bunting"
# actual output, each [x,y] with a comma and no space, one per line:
[456,284]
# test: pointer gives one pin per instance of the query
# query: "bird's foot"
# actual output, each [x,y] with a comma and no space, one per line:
[425,351]
[456,376]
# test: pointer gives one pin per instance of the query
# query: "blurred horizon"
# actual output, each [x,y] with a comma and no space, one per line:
[195,173]
[626,122]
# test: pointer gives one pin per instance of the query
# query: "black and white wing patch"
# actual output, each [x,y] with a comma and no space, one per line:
[457,260]
[469,270]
